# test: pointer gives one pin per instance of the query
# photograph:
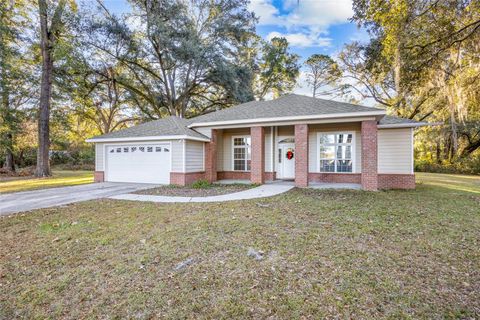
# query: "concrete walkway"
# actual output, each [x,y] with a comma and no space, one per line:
[45,198]
[266,190]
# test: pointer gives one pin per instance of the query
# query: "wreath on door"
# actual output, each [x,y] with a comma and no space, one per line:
[289,154]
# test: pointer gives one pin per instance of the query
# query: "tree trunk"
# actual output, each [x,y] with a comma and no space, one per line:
[9,161]
[43,164]
[439,160]
[6,116]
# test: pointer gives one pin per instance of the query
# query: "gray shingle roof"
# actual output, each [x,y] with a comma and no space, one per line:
[392,120]
[171,126]
[290,105]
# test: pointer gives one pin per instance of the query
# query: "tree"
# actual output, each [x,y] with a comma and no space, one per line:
[421,63]
[14,77]
[277,69]
[182,58]
[323,72]
[99,98]
[51,28]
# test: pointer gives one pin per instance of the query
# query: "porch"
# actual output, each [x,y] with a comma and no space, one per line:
[319,155]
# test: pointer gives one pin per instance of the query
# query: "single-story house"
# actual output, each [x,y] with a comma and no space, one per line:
[293,137]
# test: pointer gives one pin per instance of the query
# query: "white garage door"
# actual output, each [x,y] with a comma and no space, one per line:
[143,163]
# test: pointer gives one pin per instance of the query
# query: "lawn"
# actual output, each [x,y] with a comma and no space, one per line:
[60,178]
[324,254]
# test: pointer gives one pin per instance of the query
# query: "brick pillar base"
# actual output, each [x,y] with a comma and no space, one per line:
[98,176]
[369,155]
[258,155]
[301,155]
[211,158]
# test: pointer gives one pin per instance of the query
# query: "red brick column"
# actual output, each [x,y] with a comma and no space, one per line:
[211,158]
[301,155]
[257,174]
[369,155]
[98,176]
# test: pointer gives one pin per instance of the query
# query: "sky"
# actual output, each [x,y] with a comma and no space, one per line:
[310,26]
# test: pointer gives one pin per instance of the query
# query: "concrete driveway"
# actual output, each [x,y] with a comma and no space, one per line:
[45,198]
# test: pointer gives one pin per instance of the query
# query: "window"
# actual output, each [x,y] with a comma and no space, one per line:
[142,149]
[149,149]
[133,149]
[158,149]
[241,153]
[125,149]
[287,140]
[119,150]
[336,152]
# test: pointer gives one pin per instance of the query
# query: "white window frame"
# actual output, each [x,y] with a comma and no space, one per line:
[352,144]
[246,154]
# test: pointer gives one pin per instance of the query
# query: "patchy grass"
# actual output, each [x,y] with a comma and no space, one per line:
[60,178]
[196,191]
[326,254]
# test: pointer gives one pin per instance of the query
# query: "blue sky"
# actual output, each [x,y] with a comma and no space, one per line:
[310,26]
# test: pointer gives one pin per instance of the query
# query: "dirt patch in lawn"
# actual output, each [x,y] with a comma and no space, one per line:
[214,190]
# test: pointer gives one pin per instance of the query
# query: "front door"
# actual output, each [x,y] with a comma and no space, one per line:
[286,158]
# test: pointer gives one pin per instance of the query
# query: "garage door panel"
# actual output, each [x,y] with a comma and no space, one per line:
[139,163]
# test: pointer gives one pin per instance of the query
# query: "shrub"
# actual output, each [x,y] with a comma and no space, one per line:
[201,184]
[78,157]
[60,157]
[469,165]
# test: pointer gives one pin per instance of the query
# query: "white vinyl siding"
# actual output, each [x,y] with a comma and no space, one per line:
[194,156]
[99,156]
[314,129]
[395,151]
[177,156]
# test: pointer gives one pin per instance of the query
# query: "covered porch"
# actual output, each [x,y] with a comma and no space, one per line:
[292,154]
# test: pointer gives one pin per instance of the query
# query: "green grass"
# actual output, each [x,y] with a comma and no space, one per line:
[327,254]
[454,182]
[60,178]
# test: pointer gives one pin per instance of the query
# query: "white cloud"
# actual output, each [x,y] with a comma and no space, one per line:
[302,40]
[305,20]
[320,13]
[311,13]
[265,11]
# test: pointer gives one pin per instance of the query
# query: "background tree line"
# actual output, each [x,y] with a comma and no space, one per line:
[71,70]
[422,62]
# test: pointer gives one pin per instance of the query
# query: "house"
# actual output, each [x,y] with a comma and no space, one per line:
[294,137]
